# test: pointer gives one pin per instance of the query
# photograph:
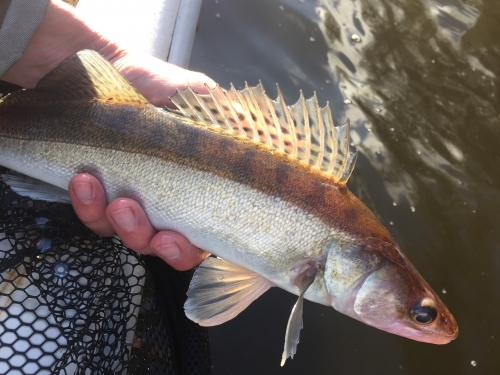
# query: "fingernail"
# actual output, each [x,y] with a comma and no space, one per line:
[124,218]
[84,191]
[169,251]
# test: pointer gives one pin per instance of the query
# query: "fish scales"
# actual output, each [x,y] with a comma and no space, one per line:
[152,132]
[214,213]
[275,213]
[168,166]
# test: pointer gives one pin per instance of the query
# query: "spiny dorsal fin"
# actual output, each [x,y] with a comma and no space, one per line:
[304,130]
[86,76]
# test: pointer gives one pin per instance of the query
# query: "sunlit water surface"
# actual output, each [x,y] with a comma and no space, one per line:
[418,80]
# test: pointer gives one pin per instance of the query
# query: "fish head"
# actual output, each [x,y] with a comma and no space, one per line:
[375,283]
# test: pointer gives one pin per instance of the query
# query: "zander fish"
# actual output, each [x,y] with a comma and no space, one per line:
[256,182]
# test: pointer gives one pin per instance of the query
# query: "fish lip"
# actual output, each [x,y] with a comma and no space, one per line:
[445,338]
[412,333]
[454,334]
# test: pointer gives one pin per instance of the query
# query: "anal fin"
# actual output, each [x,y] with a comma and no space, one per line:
[220,290]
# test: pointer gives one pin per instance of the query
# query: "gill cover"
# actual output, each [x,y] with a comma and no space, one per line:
[346,268]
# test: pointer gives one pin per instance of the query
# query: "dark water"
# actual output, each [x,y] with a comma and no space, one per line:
[419,81]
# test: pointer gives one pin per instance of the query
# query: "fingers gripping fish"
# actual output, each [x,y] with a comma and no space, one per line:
[260,184]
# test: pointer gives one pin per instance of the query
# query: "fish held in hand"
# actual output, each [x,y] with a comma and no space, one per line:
[256,182]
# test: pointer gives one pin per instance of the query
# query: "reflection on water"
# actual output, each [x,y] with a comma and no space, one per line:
[419,81]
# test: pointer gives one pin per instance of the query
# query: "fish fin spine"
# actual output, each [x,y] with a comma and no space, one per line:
[303,131]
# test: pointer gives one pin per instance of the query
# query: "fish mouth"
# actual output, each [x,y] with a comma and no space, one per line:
[437,334]
[443,341]
[438,338]
[429,338]
[450,321]
[441,334]
[453,335]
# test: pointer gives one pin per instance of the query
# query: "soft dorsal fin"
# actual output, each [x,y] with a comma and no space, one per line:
[86,76]
[304,131]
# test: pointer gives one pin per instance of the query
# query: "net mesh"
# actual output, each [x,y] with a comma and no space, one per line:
[72,302]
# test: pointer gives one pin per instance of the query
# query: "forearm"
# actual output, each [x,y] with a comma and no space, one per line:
[60,35]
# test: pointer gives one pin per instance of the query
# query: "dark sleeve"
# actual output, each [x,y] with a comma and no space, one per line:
[18,21]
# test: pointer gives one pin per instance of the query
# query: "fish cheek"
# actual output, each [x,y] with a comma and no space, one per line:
[347,266]
[383,298]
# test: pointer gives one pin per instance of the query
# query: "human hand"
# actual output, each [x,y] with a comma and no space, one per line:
[61,34]
[127,219]
[157,81]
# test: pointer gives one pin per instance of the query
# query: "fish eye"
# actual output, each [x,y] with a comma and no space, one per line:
[424,311]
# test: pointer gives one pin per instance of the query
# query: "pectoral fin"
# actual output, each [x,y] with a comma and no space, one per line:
[35,189]
[220,290]
[295,321]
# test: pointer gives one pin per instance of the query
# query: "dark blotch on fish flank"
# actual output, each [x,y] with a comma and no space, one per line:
[283,177]
[282,174]
[350,215]
[238,165]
